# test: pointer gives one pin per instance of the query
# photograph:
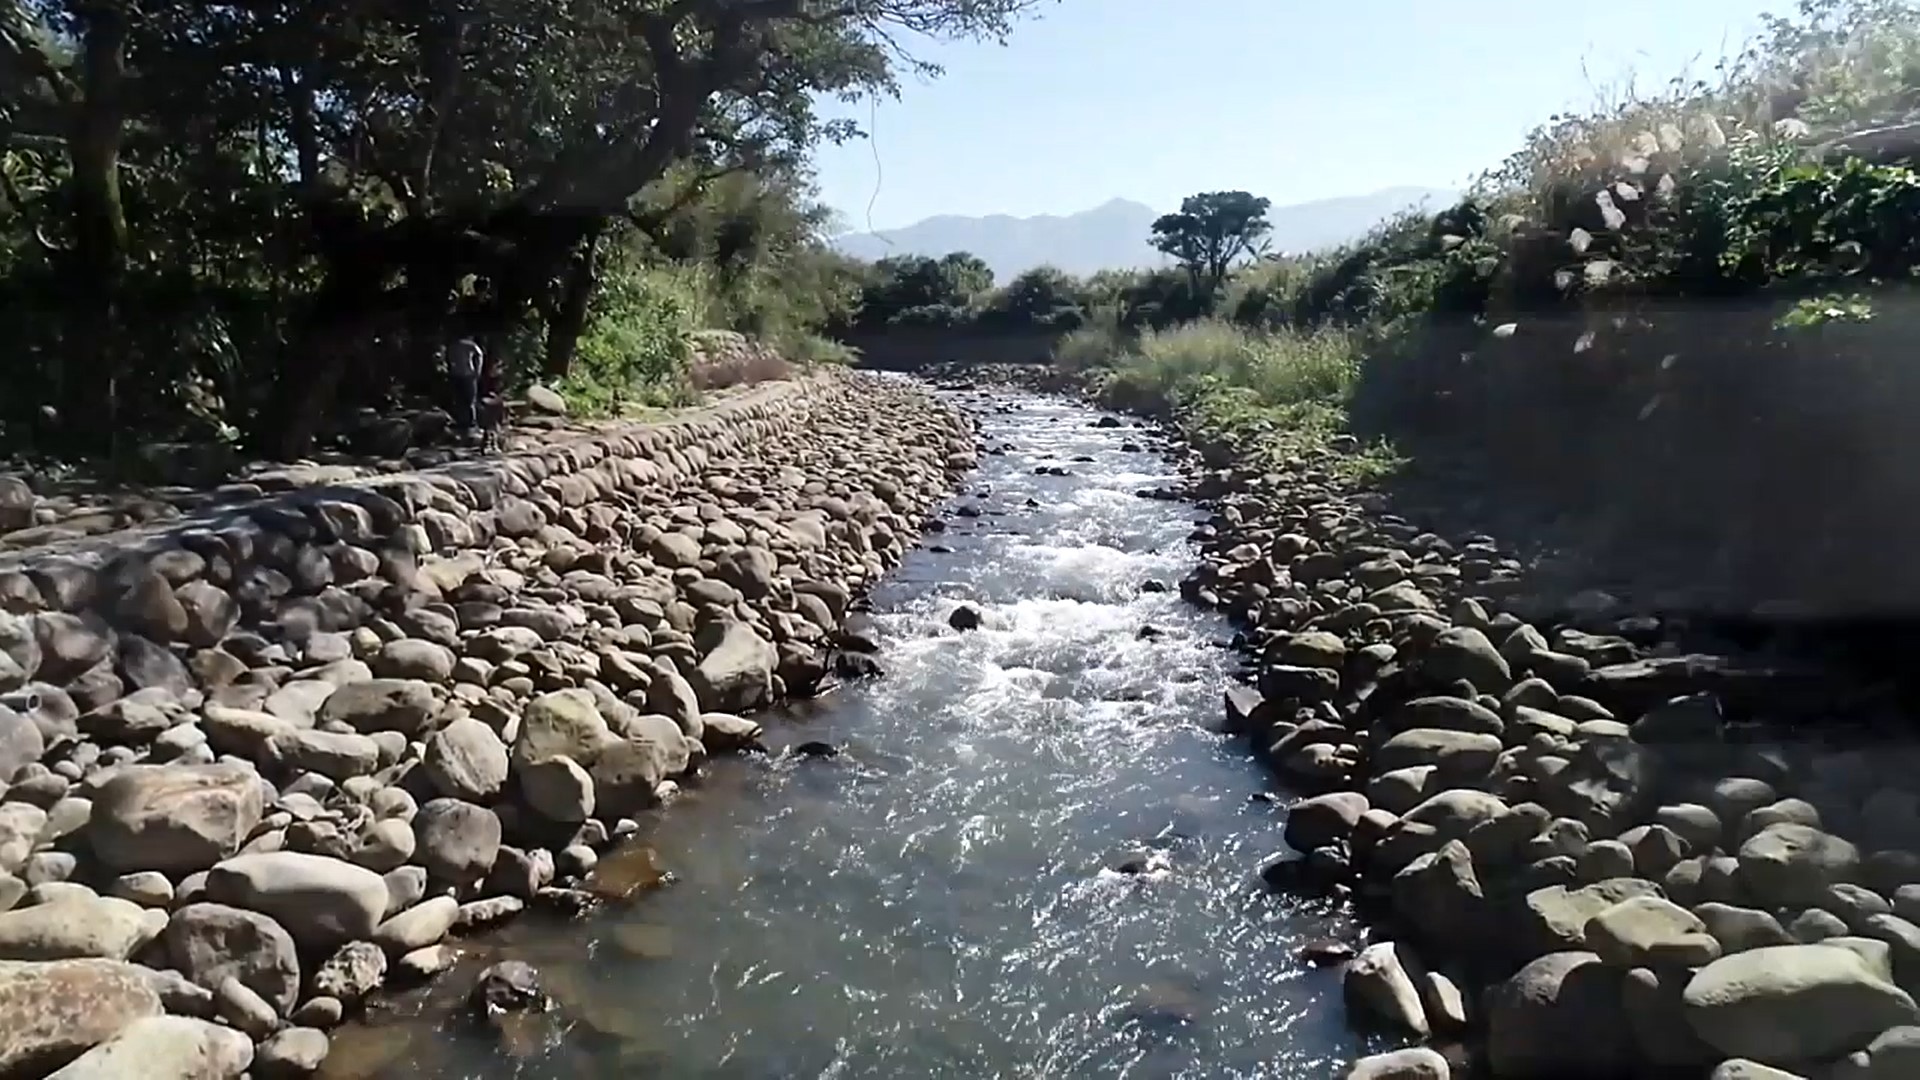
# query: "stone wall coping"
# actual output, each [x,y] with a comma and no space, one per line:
[389,498]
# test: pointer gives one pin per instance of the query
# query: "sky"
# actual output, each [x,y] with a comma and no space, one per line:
[1153,100]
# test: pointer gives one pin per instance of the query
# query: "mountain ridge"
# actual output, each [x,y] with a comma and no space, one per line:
[1114,234]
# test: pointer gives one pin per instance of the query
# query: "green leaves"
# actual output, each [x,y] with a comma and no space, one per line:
[1210,232]
[1814,311]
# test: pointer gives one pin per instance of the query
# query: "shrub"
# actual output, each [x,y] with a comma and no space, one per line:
[635,350]
[1099,344]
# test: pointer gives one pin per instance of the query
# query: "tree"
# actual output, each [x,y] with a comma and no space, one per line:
[1044,296]
[367,175]
[923,291]
[1210,232]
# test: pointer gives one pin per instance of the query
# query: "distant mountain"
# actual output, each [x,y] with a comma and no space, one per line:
[1113,235]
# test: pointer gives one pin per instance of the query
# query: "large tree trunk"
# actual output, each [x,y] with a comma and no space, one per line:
[576,299]
[336,325]
[99,261]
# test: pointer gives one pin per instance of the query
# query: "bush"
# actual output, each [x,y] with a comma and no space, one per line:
[1279,368]
[1099,344]
[635,350]
[1267,392]
[809,350]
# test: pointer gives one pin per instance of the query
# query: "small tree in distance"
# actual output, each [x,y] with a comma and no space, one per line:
[1210,232]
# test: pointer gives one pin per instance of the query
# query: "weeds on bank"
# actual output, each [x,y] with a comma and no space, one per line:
[1267,395]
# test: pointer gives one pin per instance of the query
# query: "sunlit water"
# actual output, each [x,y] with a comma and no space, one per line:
[939,901]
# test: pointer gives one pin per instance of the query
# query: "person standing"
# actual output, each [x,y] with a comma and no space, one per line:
[464,362]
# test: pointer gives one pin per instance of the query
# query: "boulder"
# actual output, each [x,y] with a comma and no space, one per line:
[1377,984]
[355,970]
[409,658]
[557,788]
[370,705]
[21,827]
[466,760]
[456,840]
[210,943]
[671,695]
[1793,865]
[1652,932]
[1456,754]
[1324,819]
[173,818]
[1445,714]
[725,733]
[1555,918]
[1465,653]
[1654,1010]
[1413,1063]
[737,675]
[1789,1003]
[1440,895]
[1560,1016]
[564,722]
[51,1013]
[321,901]
[77,927]
[627,775]
[1738,929]
[419,926]
[21,741]
[164,1048]
[291,1052]
[336,755]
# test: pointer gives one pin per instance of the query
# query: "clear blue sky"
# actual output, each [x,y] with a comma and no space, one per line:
[1296,100]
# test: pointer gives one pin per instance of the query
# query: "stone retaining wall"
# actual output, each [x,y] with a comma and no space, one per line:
[265,759]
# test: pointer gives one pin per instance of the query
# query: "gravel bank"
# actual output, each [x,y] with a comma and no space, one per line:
[264,760]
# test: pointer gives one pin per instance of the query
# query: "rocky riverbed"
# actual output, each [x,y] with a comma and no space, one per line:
[267,759]
[1589,839]
[1593,842]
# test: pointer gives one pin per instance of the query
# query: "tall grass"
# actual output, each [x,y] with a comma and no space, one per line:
[1830,68]
[1278,367]
[1266,393]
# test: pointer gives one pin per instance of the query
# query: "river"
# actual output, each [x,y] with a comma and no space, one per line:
[942,898]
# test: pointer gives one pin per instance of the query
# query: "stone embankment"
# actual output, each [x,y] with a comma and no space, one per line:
[1593,845]
[265,759]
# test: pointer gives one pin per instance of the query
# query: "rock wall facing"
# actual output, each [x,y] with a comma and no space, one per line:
[260,761]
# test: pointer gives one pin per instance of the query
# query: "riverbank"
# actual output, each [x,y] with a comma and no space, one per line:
[1593,840]
[264,759]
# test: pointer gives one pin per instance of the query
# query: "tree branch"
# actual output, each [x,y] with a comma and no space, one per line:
[22,37]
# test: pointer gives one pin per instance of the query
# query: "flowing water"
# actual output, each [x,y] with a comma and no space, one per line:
[941,899]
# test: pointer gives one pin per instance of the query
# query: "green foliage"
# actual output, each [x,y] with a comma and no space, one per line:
[1270,393]
[635,350]
[811,349]
[1044,297]
[1100,344]
[1814,221]
[1210,233]
[1812,311]
[229,217]
[914,290]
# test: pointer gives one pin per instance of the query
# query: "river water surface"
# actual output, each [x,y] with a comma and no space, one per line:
[941,899]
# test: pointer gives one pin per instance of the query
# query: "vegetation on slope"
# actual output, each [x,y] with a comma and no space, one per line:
[1672,267]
